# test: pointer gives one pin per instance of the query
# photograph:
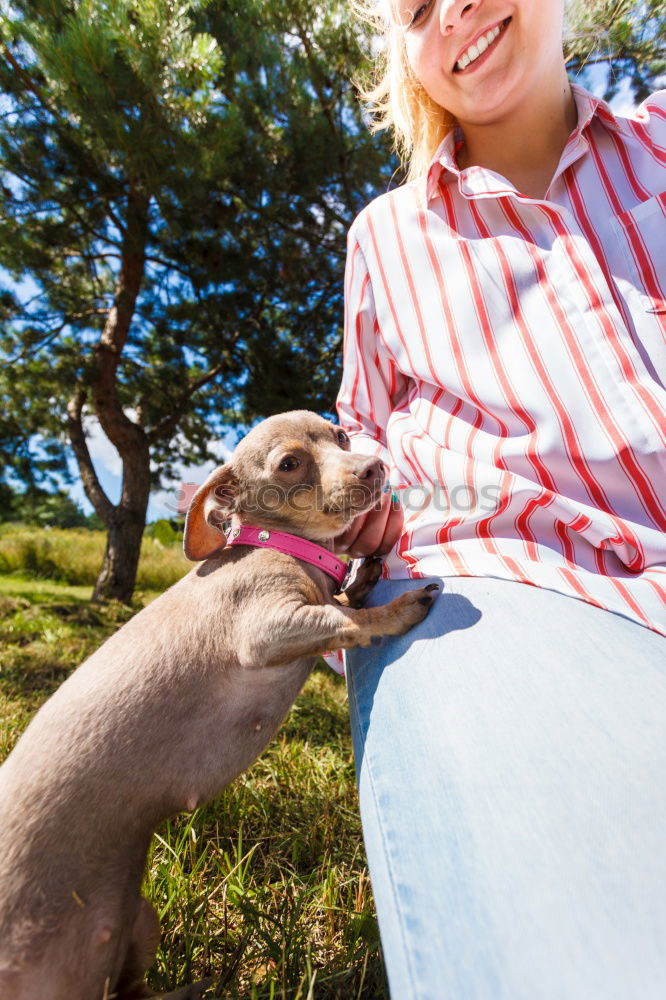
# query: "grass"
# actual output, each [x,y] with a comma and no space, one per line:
[74,556]
[266,889]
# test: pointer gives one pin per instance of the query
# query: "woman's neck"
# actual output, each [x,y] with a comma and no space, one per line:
[526,146]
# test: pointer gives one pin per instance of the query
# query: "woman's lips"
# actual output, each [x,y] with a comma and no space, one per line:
[467,61]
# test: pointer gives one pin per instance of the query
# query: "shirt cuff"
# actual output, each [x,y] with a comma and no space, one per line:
[335,659]
[362,444]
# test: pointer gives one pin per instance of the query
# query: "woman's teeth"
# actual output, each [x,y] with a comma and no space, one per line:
[479,47]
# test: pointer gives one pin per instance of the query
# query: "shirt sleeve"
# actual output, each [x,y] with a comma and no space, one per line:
[371,382]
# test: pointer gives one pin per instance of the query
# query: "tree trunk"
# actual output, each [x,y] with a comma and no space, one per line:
[126,520]
[121,558]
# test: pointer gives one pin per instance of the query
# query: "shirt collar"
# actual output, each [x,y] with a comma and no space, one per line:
[476,181]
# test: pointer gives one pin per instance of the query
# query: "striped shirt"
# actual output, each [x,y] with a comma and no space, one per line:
[506,357]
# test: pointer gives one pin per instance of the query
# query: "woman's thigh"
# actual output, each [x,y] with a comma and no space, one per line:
[511,756]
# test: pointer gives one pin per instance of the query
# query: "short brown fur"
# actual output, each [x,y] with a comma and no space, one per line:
[170,710]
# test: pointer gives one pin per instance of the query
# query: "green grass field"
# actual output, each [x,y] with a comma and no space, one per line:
[266,889]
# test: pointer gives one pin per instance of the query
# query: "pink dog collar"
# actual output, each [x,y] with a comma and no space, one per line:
[292,545]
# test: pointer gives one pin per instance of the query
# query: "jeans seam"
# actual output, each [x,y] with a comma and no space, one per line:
[387,852]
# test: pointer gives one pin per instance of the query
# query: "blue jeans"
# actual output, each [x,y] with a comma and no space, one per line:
[511,760]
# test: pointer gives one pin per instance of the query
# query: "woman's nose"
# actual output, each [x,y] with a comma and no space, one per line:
[452,13]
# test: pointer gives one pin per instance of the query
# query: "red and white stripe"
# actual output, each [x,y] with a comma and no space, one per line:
[513,351]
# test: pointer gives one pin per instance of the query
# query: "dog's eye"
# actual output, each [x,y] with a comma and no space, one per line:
[288,464]
[343,438]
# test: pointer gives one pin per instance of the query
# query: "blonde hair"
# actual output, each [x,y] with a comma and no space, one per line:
[396,99]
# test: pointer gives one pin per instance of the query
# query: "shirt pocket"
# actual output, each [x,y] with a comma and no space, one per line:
[637,257]
[640,246]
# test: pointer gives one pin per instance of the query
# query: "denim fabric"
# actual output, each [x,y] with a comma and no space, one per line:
[511,759]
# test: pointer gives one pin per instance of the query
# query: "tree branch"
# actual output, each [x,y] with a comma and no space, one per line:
[168,424]
[45,104]
[325,105]
[91,484]
[117,426]
[33,349]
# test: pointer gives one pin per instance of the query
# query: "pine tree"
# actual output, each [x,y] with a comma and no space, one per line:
[177,180]
[630,37]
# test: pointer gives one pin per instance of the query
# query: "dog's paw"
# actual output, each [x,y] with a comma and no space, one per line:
[369,571]
[370,640]
[367,575]
[411,608]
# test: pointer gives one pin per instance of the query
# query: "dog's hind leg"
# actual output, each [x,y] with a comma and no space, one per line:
[10,985]
[140,954]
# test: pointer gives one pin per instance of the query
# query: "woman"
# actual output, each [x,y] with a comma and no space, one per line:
[504,355]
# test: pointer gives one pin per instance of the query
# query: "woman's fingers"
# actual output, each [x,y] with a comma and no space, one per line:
[392,529]
[373,533]
[348,543]
[344,541]
[370,536]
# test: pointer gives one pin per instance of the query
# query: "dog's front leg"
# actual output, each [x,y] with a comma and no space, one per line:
[294,630]
[366,576]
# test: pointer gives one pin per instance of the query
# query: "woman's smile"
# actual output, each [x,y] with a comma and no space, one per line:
[482,60]
[480,48]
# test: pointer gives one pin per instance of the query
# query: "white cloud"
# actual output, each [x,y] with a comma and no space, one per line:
[624,102]
[101,450]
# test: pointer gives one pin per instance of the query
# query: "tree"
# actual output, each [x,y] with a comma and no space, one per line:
[177,180]
[630,37]
[46,508]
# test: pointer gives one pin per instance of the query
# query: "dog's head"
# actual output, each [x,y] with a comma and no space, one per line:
[293,472]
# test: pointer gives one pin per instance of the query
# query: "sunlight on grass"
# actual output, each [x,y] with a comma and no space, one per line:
[17,585]
[74,556]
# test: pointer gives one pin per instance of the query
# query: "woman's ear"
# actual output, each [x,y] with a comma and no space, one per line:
[211,506]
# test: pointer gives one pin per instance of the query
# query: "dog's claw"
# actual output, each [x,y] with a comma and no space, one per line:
[432,586]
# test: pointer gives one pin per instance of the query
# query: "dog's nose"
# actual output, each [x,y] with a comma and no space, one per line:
[370,468]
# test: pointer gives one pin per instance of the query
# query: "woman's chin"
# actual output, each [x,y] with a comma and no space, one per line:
[495,97]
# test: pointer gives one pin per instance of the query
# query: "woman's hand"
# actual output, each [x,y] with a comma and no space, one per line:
[374,533]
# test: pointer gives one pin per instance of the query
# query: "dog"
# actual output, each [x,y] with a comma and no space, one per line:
[176,704]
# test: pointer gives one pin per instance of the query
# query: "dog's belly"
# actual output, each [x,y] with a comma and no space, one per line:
[218,747]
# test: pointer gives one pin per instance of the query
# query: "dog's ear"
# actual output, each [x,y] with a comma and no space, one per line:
[210,507]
